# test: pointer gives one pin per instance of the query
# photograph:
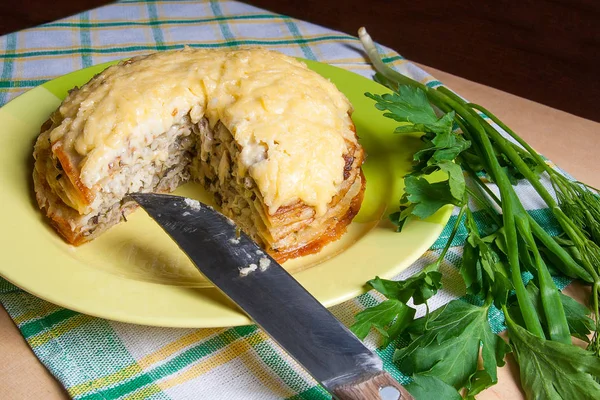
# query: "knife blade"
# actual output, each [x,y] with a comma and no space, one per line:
[265,291]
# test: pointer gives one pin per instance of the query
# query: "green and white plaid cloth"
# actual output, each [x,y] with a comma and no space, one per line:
[99,359]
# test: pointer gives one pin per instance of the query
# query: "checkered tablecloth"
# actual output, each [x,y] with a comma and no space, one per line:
[99,359]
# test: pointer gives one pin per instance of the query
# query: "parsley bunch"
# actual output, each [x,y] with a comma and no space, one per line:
[444,347]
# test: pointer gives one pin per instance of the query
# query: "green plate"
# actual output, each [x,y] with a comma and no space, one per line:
[135,273]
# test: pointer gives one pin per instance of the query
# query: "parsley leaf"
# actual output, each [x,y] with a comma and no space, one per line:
[442,146]
[427,197]
[456,179]
[393,316]
[424,386]
[389,318]
[482,268]
[446,344]
[449,145]
[580,324]
[420,286]
[438,151]
[553,370]
[411,105]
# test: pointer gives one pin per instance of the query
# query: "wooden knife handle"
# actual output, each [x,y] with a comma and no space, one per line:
[376,387]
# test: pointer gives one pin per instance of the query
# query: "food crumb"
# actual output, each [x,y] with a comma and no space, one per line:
[259,252]
[246,270]
[264,263]
[234,240]
[185,213]
[193,204]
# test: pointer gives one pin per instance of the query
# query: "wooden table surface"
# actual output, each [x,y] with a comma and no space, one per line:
[568,140]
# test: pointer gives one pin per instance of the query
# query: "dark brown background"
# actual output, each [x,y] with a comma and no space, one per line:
[544,50]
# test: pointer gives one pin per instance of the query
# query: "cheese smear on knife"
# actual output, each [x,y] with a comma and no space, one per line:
[248,91]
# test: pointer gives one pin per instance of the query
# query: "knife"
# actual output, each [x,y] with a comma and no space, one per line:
[265,291]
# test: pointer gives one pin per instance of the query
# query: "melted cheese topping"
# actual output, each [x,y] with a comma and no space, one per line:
[290,122]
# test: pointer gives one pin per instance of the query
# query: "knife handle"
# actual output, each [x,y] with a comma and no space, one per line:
[377,387]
